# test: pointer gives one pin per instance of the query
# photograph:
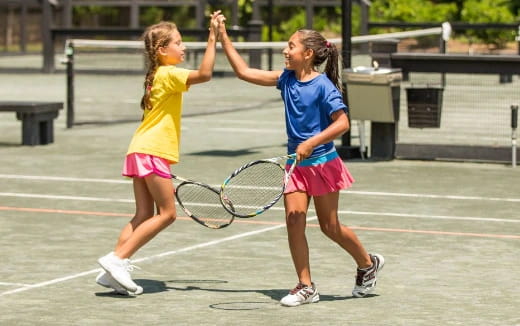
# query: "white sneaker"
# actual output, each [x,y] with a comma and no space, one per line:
[119,269]
[106,280]
[301,294]
[366,278]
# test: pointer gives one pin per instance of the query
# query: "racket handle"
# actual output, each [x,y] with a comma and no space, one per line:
[514,116]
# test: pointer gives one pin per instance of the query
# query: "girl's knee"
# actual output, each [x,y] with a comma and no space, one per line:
[331,230]
[169,217]
[295,220]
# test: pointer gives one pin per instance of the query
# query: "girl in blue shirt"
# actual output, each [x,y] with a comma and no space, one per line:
[315,115]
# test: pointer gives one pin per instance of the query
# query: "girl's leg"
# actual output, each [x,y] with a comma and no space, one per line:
[144,209]
[327,211]
[141,228]
[296,205]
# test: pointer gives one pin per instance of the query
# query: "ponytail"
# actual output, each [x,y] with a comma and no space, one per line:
[323,51]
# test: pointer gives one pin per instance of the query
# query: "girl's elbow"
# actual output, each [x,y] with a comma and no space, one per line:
[241,74]
[345,126]
[242,77]
[206,76]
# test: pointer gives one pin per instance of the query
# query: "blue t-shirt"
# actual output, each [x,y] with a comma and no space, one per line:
[308,107]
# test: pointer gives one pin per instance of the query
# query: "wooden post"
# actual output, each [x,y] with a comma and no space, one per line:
[364,24]
[346,34]
[255,35]
[234,13]
[134,14]
[67,13]
[48,43]
[23,27]
[9,26]
[270,9]
[309,14]
[201,6]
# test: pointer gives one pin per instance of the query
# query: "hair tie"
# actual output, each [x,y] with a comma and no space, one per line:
[327,44]
[149,88]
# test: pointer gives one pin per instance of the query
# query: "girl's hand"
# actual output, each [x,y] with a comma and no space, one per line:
[216,17]
[221,24]
[303,151]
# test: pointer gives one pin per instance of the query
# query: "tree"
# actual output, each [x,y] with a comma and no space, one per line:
[485,11]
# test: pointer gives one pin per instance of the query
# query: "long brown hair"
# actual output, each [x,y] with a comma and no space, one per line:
[155,36]
[323,50]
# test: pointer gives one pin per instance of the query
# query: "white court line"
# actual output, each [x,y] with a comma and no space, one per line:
[160,255]
[400,194]
[13,284]
[345,212]
[60,197]
[434,217]
[353,192]
[67,179]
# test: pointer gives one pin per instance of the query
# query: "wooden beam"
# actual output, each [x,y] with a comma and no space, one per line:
[456,63]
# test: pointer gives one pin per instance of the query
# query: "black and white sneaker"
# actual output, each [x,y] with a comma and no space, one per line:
[301,294]
[366,278]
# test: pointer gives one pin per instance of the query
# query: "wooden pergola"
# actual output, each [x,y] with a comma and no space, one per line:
[11,7]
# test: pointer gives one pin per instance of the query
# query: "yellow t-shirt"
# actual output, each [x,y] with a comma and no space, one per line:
[160,131]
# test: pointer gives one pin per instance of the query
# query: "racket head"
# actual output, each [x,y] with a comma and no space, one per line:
[202,203]
[256,186]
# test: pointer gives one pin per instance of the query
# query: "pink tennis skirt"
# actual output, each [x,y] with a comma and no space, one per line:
[142,165]
[320,179]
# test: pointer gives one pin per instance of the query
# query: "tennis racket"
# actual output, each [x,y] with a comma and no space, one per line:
[256,186]
[202,203]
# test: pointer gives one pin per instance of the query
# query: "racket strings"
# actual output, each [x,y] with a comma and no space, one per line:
[255,187]
[203,204]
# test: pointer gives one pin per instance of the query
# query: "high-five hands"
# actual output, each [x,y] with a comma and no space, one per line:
[216,19]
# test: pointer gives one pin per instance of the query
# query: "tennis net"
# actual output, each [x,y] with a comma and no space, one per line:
[105,77]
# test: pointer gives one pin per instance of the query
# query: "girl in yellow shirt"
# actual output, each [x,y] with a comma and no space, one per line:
[154,146]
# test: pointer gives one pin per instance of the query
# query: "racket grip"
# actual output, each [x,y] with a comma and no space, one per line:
[514,116]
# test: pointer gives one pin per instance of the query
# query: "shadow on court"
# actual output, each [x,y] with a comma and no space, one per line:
[275,295]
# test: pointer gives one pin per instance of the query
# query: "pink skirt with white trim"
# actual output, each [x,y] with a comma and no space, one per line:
[142,165]
[318,180]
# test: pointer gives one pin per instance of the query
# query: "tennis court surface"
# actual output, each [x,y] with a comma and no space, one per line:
[450,232]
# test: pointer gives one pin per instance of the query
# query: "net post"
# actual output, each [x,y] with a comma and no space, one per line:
[444,37]
[514,125]
[69,51]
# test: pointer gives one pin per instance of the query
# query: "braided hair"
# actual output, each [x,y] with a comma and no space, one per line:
[323,50]
[155,37]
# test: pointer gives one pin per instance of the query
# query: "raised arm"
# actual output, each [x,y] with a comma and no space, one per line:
[205,71]
[242,70]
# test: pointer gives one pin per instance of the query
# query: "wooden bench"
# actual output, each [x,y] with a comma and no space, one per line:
[37,119]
